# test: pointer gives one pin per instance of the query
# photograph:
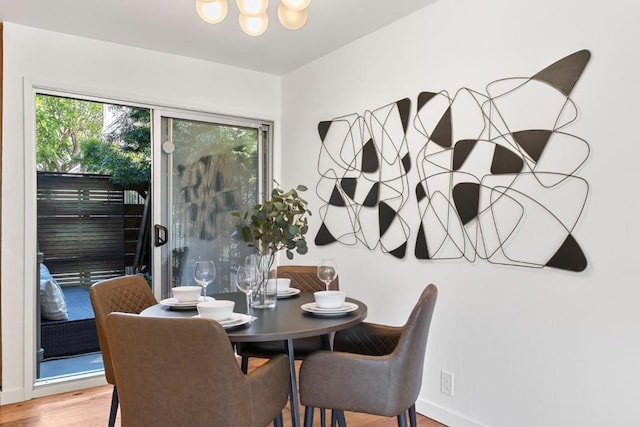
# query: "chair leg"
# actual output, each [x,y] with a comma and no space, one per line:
[342,422]
[114,407]
[277,422]
[402,419]
[308,416]
[412,416]
[323,417]
[244,364]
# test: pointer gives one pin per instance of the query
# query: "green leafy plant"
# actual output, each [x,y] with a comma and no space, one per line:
[277,224]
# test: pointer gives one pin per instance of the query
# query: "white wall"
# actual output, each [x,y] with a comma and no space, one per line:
[528,347]
[64,62]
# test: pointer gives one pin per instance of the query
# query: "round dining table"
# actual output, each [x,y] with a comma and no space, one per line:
[286,322]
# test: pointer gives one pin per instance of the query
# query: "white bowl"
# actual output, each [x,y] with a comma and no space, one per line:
[282,284]
[330,299]
[186,293]
[217,310]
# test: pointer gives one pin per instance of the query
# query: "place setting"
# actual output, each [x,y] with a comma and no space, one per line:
[284,288]
[246,278]
[188,297]
[185,298]
[222,312]
[328,302]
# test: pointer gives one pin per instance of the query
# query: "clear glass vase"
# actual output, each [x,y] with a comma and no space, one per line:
[266,295]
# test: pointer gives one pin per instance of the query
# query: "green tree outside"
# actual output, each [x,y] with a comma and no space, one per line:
[72,137]
[125,149]
[61,126]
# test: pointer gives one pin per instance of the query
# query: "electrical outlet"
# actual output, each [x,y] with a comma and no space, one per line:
[446,383]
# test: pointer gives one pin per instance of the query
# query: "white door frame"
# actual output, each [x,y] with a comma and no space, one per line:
[33,388]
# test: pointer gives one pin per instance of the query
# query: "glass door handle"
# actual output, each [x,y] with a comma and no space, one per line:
[160,235]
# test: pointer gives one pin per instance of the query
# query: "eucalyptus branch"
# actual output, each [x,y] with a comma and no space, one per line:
[277,224]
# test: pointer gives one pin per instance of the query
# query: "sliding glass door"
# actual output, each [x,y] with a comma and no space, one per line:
[93,169]
[208,167]
[135,189]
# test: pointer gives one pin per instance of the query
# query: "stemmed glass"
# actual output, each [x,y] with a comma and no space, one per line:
[247,280]
[204,274]
[327,271]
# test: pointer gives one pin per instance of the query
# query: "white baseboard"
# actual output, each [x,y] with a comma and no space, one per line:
[57,387]
[48,388]
[11,396]
[445,416]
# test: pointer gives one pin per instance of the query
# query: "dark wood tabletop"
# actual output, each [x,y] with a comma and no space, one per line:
[286,321]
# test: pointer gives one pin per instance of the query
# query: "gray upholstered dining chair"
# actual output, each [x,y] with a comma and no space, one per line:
[302,277]
[183,372]
[336,379]
[127,294]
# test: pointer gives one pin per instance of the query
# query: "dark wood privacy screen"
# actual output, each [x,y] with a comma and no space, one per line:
[80,227]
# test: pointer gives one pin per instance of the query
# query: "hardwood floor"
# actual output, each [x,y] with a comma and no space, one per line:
[90,407]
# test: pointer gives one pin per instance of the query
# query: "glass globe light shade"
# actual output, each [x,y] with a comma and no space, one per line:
[296,4]
[212,11]
[254,25]
[252,7]
[292,19]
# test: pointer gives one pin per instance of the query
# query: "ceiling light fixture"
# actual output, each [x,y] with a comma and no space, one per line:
[253,18]
[292,19]
[296,4]
[213,11]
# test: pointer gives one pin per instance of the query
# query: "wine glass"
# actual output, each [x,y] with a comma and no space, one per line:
[204,274]
[247,280]
[327,271]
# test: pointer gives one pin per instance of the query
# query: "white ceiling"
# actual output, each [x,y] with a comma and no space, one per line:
[173,26]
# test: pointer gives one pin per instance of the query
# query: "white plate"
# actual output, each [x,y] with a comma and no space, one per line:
[236,319]
[174,303]
[348,306]
[288,293]
[312,307]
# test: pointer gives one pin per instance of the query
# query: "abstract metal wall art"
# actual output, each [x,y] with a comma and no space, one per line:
[496,173]
[363,163]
